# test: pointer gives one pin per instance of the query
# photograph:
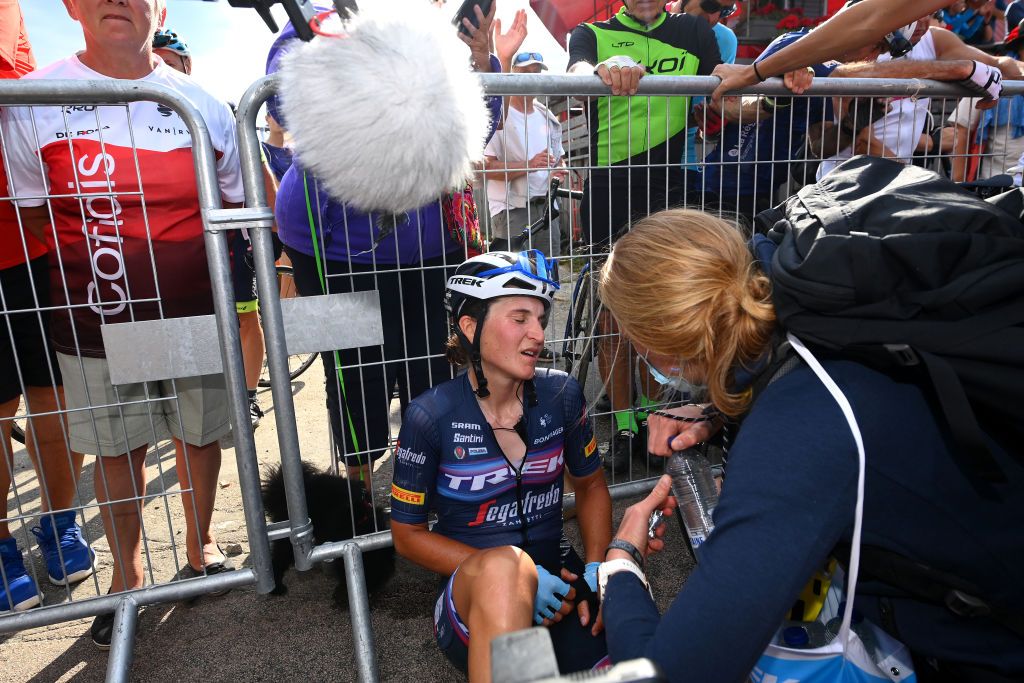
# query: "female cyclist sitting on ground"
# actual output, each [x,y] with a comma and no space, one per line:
[487,450]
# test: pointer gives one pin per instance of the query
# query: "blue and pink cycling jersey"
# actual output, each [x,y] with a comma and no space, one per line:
[448,460]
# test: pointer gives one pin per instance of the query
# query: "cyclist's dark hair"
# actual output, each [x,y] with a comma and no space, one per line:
[453,350]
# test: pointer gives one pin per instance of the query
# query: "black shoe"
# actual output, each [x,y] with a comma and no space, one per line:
[624,447]
[101,630]
[255,412]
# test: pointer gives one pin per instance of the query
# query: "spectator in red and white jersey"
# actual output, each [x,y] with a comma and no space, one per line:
[135,255]
[29,371]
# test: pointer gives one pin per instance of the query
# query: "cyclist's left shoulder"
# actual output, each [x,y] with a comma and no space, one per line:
[549,380]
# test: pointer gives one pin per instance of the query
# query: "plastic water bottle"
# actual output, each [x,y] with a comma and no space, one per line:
[803,635]
[694,488]
[857,624]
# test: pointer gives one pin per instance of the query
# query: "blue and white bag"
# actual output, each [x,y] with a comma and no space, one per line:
[846,659]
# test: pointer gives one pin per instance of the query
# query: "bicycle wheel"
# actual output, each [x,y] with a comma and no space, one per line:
[298,363]
[578,348]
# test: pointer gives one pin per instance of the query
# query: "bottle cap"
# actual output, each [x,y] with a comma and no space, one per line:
[796,636]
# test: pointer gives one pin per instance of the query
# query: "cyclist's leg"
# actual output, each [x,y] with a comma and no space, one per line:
[243,276]
[490,593]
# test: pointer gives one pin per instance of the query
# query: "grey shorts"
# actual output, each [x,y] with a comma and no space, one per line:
[105,419]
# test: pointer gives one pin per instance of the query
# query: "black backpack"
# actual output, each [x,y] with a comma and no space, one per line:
[903,270]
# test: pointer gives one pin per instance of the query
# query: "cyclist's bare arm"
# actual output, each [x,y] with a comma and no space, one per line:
[35,220]
[865,23]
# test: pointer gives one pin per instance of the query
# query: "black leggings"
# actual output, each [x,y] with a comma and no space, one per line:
[415,326]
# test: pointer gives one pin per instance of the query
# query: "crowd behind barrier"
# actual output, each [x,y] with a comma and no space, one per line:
[943,133]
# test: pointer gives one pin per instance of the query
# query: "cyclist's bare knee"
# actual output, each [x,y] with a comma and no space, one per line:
[493,581]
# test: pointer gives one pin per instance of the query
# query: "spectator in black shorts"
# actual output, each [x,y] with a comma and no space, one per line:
[28,369]
[635,147]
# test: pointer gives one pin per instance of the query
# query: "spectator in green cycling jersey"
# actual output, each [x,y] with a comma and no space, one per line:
[635,147]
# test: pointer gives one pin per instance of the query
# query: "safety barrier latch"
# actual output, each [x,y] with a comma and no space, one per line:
[246,218]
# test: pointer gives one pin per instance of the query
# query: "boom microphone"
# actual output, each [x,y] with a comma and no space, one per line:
[389,115]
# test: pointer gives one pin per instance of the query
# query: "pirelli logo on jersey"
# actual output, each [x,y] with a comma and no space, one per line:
[404,496]
[589,449]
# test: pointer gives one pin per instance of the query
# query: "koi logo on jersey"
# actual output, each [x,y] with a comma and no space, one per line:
[405,496]
[476,480]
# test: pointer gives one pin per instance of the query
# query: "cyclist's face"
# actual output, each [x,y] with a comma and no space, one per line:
[174,60]
[513,336]
[645,11]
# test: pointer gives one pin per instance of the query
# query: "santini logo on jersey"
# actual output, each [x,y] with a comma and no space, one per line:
[468,438]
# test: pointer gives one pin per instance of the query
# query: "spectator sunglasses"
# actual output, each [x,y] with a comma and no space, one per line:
[527,56]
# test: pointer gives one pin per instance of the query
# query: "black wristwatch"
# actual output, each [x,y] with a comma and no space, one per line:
[620,544]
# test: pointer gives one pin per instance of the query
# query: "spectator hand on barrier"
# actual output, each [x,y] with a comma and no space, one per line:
[554,596]
[621,73]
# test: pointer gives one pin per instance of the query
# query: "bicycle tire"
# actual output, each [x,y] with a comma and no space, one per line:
[579,343]
[298,363]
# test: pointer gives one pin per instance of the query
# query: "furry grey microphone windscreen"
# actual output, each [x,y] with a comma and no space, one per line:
[390,117]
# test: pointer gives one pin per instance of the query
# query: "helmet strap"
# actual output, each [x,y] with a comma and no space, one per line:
[472,350]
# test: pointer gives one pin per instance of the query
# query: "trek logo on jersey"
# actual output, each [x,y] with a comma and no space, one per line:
[466,425]
[468,438]
[589,449]
[404,496]
[550,435]
[497,472]
[533,505]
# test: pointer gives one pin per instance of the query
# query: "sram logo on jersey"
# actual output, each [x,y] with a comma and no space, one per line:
[477,480]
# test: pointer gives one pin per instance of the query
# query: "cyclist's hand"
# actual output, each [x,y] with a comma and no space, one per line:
[583,606]
[554,596]
[622,73]
[665,435]
[734,77]
[799,80]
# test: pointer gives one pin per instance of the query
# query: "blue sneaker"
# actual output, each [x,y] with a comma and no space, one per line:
[68,558]
[17,589]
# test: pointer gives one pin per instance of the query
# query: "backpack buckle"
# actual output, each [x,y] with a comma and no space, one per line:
[903,354]
[965,605]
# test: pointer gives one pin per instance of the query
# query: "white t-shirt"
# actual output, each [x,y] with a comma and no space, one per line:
[901,127]
[522,137]
[125,201]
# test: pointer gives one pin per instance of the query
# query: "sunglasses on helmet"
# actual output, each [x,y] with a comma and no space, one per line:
[712,6]
[532,264]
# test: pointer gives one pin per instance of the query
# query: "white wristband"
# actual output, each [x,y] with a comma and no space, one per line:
[606,569]
[985,80]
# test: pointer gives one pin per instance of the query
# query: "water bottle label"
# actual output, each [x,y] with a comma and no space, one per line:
[697,539]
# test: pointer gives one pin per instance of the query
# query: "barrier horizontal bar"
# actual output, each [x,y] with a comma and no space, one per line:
[169,592]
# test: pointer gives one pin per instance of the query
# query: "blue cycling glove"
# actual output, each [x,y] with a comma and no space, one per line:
[590,575]
[551,590]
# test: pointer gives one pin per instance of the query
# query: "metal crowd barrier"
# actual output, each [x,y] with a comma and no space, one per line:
[161,349]
[298,326]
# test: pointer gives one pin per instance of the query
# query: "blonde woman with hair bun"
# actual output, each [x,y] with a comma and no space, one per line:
[689,295]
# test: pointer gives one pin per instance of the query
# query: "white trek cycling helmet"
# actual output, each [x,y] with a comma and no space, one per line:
[492,275]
